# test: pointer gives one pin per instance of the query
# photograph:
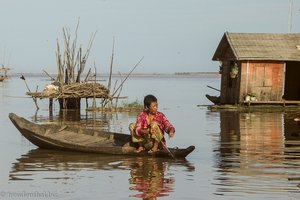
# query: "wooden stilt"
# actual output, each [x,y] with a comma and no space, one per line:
[50,104]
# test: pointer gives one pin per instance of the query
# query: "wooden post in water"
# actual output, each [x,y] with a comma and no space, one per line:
[51,107]
[50,104]
[69,103]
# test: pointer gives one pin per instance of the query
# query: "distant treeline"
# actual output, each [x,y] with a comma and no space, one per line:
[196,73]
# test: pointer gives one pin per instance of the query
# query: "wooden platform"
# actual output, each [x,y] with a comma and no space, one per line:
[283,103]
[259,105]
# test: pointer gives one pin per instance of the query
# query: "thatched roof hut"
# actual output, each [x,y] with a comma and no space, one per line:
[258,46]
[265,65]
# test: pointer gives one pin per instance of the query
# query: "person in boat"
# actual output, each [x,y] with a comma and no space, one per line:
[148,131]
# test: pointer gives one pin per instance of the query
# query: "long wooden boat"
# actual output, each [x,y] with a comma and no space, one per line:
[64,137]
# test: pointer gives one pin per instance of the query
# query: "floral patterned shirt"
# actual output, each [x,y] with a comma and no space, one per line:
[159,118]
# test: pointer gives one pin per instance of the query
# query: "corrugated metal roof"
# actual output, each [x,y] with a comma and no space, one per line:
[260,46]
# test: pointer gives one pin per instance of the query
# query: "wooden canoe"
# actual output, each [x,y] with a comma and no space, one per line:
[214,99]
[68,138]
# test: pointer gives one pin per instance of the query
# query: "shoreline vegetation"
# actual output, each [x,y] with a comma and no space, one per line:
[166,75]
[135,106]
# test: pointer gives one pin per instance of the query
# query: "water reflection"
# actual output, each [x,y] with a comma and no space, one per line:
[149,177]
[106,121]
[257,153]
[43,160]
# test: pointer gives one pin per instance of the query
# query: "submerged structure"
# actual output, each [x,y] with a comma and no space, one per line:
[259,68]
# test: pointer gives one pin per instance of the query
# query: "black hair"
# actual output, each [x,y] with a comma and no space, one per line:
[148,100]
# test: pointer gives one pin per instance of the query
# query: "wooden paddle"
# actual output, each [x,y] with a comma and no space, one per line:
[165,146]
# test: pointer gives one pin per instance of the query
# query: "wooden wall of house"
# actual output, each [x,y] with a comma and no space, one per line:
[263,78]
[229,86]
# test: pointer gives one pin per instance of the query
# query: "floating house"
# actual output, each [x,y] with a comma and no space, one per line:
[260,68]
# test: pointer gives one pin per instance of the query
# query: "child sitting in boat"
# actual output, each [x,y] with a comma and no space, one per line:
[148,131]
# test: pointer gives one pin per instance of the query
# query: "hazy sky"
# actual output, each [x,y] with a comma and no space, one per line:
[171,35]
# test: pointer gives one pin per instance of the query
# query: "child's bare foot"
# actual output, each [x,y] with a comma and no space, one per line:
[140,149]
[153,150]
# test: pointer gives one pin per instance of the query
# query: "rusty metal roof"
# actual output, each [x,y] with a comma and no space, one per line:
[259,46]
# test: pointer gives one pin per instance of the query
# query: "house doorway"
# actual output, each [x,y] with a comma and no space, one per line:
[292,81]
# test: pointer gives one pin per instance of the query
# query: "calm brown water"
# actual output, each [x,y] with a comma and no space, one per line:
[250,155]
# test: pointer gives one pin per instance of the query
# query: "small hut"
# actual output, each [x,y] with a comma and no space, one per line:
[259,68]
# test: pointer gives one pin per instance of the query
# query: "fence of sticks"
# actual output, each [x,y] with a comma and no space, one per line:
[67,86]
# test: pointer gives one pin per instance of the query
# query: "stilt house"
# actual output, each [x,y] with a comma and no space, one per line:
[261,65]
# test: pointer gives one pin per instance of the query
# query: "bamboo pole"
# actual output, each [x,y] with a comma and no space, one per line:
[111,65]
[88,75]
[83,60]
[52,79]
[128,75]
[33,98]
[112,96]
[118,96]
[94,96]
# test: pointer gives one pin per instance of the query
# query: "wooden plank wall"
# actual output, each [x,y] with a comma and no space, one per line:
[229,86]
[265,79]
